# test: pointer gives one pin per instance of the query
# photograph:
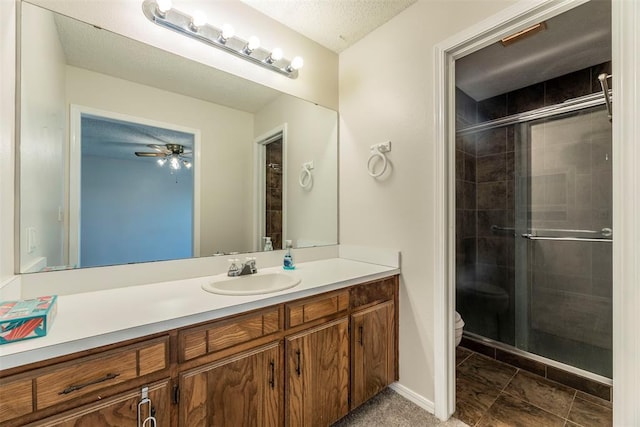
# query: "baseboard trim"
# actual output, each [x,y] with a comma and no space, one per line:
[411,395]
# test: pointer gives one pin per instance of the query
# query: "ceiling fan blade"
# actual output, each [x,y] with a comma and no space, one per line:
[144,154]
[160,148]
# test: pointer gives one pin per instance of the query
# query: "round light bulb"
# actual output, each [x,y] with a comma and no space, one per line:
[297,63]
[254,43]
[227,31]
[161,162]
[187,164]
[175,163]
[276,54]
[198,19]
[163,5]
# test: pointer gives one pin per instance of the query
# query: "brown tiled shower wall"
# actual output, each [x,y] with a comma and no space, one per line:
[485,191]
[273,197]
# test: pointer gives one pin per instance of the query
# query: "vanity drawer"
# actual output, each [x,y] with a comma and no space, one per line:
[373,292]
[308,310]
[216,336]
[91,374]
[16,398]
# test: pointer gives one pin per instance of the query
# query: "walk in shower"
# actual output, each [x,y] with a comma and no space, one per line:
[534,194]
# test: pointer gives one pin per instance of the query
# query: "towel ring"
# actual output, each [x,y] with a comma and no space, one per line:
[306,178]
[376,154]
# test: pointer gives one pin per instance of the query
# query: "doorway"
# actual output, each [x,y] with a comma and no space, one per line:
[271,189]
[133,190]
[626,15]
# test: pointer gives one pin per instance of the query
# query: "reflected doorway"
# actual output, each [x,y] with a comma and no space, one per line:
[132,191]
[271,188]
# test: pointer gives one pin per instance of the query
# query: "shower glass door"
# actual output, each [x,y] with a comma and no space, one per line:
[563,201]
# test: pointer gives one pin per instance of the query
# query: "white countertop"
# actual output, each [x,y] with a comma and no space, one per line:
[93,319]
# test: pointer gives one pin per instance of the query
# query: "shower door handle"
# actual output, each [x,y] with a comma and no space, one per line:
[566,239]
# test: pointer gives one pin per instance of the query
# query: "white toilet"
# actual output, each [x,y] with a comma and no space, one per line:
[459,327]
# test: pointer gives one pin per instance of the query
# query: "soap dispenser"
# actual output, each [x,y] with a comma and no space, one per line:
[288,263]
[268,246]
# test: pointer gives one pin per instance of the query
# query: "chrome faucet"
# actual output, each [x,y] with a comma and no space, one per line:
[237,269]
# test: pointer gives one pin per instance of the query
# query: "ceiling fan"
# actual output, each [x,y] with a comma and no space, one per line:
[175,154]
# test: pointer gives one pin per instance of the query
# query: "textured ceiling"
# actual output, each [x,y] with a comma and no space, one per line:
[103,137]
[335,24]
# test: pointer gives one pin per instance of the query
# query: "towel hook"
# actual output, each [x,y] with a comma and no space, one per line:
[377,152]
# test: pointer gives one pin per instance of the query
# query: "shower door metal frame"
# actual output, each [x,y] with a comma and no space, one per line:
[522,226]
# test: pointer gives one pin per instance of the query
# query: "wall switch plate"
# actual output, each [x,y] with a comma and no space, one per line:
[32,244]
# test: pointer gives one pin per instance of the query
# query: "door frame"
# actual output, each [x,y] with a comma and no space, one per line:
[259,183]
[626,192]
[75,159]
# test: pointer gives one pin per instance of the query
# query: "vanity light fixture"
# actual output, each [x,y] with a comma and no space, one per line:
[161,13]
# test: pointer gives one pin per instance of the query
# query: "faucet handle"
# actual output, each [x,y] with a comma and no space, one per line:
[251,262]
[234,268]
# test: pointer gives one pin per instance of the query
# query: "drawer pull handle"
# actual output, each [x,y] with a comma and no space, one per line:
[361,336]
[76,387]
[272,381]
[298,370]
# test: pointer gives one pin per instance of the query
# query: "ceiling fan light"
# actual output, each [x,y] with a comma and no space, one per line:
[161,162]
[187,164]
[174,163]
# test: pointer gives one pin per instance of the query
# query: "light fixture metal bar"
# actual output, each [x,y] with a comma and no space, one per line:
[180,22]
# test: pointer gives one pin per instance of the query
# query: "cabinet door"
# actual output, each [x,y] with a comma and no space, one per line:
[120,410]
[373,351]
[318,375]
[243,390]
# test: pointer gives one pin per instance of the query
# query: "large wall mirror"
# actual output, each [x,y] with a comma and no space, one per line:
[132,154]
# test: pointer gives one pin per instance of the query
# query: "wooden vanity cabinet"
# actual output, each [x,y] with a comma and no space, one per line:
[241,390]
[101,389]
[126,409]
[374,329]
[306,362]
[372,352]
[317,375]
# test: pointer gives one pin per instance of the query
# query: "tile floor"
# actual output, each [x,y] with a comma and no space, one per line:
[492,393]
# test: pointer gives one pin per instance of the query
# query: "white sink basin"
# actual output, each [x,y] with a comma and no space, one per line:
[253,284]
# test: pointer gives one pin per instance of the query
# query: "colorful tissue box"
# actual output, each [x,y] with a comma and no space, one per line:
[25,319]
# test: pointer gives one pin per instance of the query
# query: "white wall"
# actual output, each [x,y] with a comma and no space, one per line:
[42,146]
[7,131]
[317,81]
[311,136]
[226,149]
[385,94]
